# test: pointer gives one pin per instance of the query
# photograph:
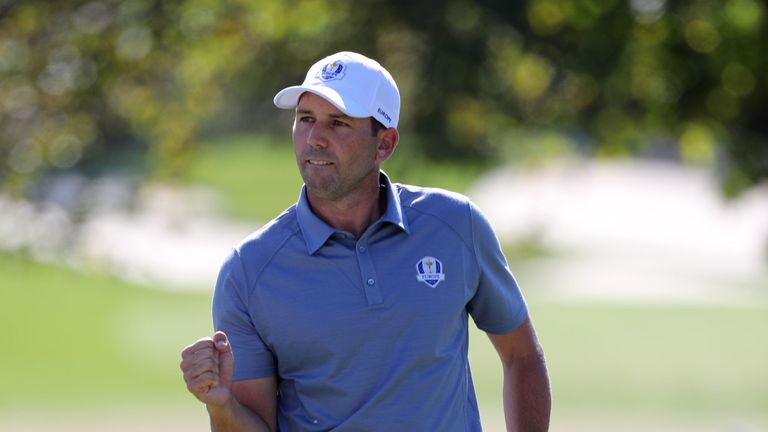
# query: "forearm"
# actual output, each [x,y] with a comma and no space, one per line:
[527,398]
[235,417]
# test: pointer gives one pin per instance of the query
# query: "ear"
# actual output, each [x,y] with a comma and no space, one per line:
[387,140]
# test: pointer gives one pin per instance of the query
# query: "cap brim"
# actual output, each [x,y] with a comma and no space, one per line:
[288,98]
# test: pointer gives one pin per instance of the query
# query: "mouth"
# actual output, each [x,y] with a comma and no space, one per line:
[315,162]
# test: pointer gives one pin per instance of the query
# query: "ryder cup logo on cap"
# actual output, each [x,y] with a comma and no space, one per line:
[353,83]
[331,71]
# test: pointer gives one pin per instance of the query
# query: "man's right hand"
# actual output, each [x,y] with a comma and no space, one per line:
[207,367]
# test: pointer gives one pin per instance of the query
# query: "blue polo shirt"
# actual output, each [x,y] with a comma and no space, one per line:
[369,333]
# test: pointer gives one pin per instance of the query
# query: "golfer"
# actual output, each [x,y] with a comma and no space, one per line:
[350,310]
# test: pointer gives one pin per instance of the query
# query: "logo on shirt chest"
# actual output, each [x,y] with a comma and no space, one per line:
[430,271]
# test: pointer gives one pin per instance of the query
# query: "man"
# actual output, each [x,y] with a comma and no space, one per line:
[349,311]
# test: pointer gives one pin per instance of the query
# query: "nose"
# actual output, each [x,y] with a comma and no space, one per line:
[316,137]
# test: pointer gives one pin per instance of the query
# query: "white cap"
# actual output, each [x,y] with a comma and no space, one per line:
[355,84]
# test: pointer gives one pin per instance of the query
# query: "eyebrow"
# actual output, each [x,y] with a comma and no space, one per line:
[339,116]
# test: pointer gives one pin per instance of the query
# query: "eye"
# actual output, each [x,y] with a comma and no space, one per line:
[306,119]
[339,123]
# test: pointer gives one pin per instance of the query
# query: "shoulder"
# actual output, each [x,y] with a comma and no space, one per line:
[255,251]
[451,207]
[451,211]
[432,200]
[456,211]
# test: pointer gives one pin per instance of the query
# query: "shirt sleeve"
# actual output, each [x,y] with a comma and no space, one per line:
[498,305]
[253,358]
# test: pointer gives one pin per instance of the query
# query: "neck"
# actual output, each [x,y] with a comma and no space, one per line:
[353,213]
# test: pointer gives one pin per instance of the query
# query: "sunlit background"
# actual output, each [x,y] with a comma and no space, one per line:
[619,147]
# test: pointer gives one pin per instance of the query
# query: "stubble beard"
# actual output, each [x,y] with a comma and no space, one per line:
[329,183]
[334,187]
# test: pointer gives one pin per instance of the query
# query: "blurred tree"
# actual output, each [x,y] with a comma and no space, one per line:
[81,81]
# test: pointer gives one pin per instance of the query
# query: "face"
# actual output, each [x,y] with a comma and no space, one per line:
[336,154]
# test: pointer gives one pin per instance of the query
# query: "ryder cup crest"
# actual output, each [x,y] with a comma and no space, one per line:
[332,71]
[430,271]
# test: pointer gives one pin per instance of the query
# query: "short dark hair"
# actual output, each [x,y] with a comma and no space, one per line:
[376,126]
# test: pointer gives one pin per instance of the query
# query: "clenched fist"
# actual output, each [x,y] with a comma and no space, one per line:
[207,367]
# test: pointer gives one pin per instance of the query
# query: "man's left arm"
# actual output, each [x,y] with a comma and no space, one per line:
[527,398]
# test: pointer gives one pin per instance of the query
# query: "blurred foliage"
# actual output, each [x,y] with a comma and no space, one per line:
[85,82]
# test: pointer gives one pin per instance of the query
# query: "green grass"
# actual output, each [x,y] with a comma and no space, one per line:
[701,362]
[73,338]
[257,178]
[83,339]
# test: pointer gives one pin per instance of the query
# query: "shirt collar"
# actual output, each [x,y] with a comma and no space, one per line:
[316,232]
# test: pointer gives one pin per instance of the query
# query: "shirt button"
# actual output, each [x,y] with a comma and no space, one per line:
[370,281]
[362,249]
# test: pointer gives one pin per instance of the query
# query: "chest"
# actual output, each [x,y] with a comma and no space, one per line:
[364,298]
